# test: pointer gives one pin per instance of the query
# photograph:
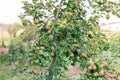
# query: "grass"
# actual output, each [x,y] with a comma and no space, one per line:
[10,72]
[14,71]
[5,71]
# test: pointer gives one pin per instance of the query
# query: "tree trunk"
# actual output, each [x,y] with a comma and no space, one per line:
[3,45]
[51,68]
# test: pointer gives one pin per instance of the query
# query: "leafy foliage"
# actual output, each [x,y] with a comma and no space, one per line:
[114,42]
[68,34]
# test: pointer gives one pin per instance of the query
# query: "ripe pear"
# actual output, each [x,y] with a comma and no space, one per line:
[49,31]
[41,47]
[102,73]
[84,54]
[71,55]
[95,74]
[52,54]
[90,68]
[107,16]
[98,1]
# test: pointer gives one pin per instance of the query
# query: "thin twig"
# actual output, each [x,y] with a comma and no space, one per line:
[46,23]
[59,8]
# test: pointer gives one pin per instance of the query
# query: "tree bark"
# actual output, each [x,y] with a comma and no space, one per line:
[51,68]
[3,45]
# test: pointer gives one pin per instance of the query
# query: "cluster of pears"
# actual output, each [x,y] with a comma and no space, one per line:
[83,55]
[97,73]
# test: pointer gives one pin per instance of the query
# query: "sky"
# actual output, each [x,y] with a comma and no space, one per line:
[10,9]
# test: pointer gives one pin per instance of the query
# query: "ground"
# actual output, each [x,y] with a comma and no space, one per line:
[4,50]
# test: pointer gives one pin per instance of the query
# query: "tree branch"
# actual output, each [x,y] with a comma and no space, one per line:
[59,8]
[46,23]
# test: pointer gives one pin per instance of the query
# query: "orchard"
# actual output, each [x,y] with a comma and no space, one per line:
[63,34]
